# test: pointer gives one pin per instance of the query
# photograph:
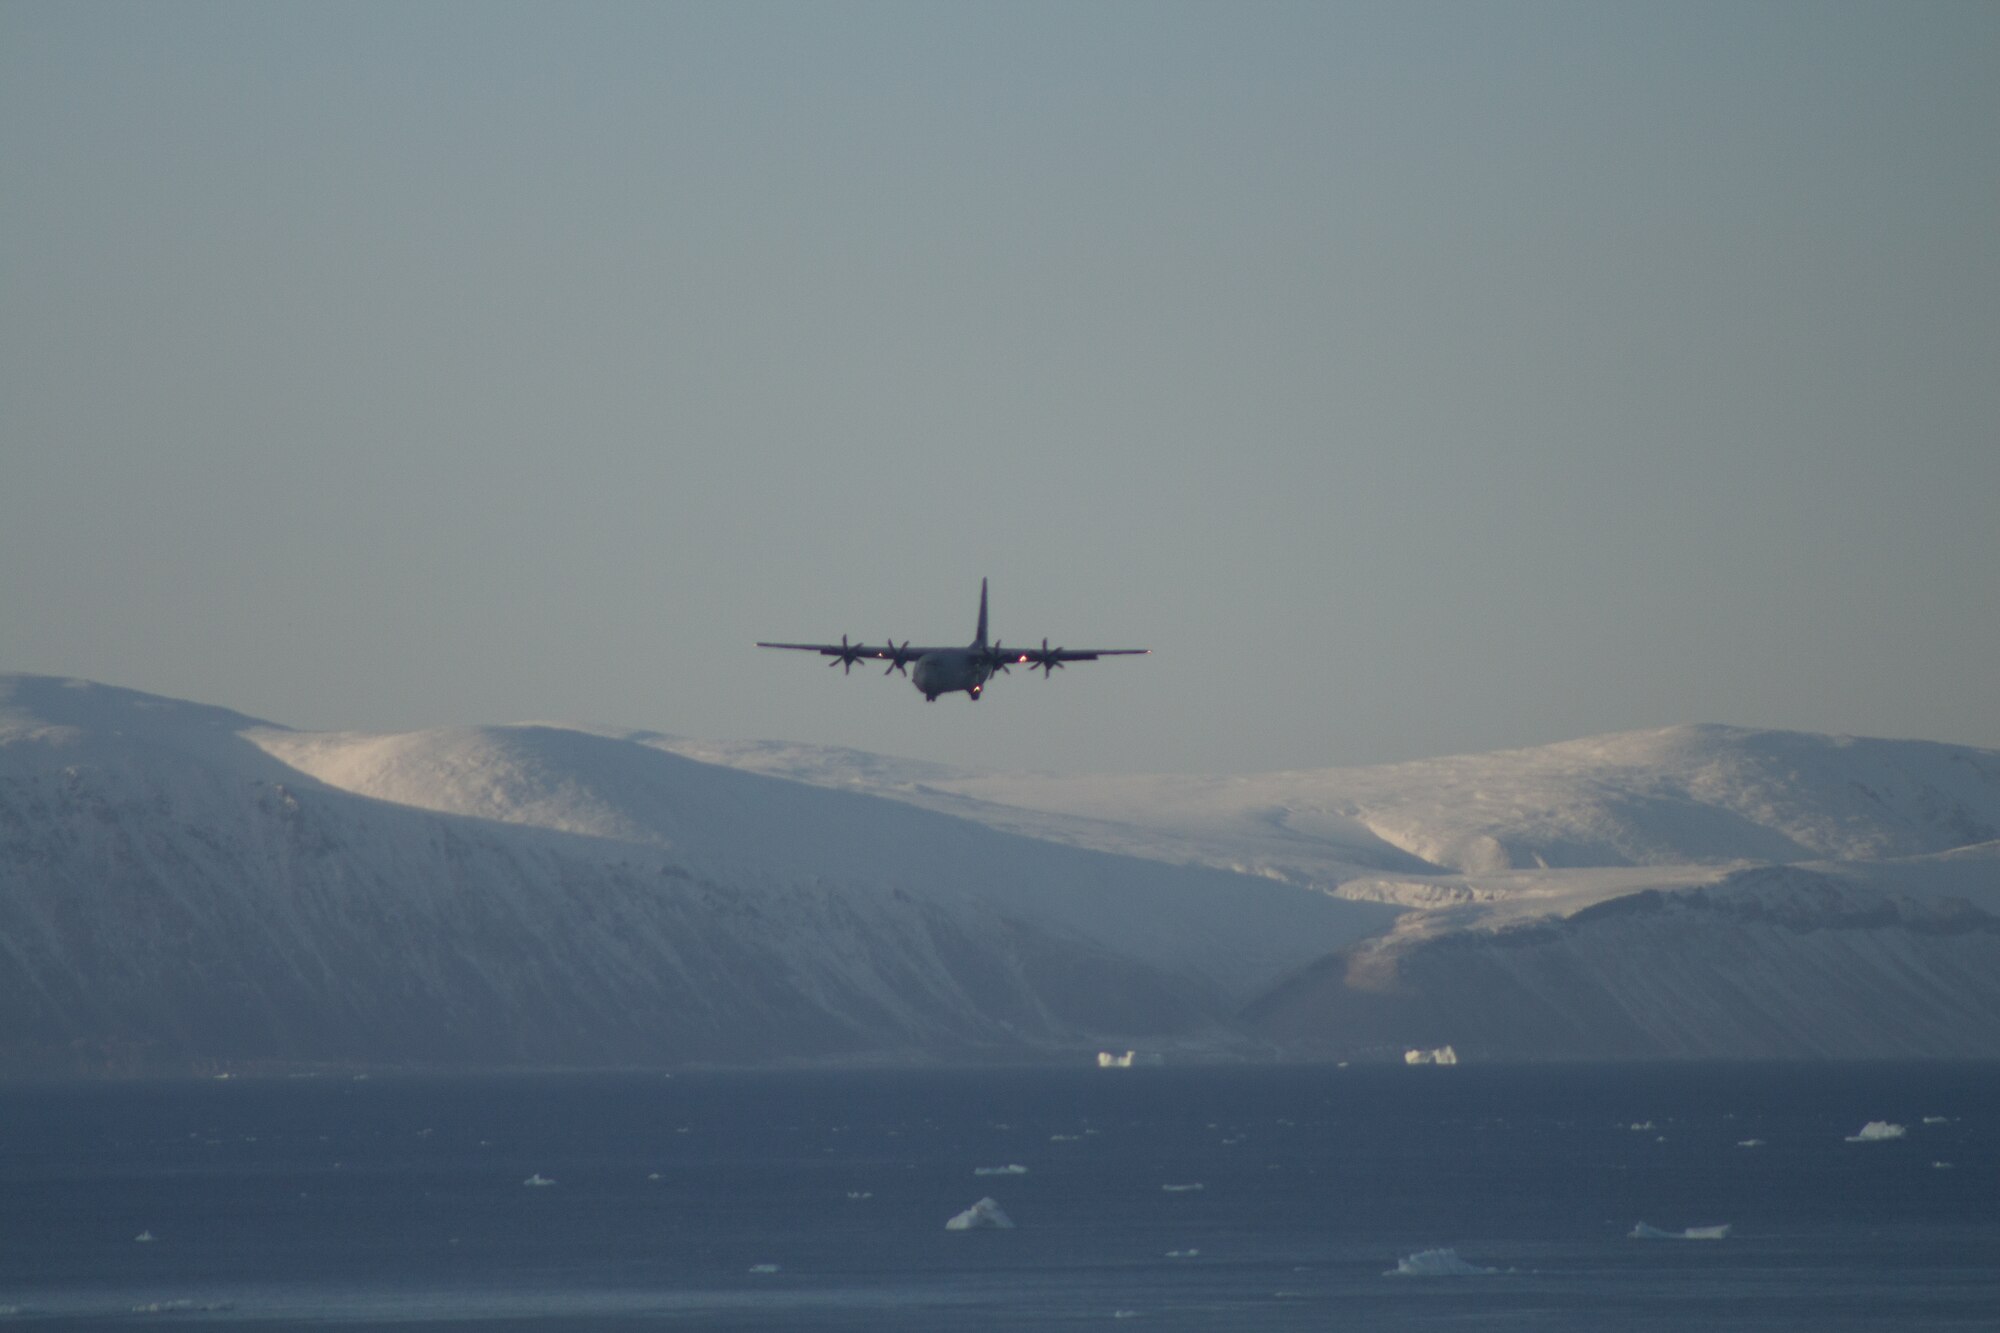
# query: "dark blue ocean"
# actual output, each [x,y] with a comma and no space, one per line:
[1177,1198]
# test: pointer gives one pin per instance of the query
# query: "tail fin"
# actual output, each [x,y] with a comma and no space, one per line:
[979,641]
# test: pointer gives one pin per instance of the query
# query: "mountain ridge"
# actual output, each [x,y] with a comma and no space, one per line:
[186,886]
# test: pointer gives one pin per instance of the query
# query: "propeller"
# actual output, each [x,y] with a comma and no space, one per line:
[848,655]
[995,660]
[898,656]
[1046,660]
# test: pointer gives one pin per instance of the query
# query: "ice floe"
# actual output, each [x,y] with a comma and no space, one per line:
[1877,1131]
[1013,1169]
[538,1180]
[1437,1055]
[1129,1060]
[1643,1232]
[1436,1263]
[985,1213]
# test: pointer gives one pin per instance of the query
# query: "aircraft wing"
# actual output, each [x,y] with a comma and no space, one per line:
[857,651]
[1079,654]
[1049,660]
[847,654]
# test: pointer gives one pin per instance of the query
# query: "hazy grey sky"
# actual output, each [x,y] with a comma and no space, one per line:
[1411,378]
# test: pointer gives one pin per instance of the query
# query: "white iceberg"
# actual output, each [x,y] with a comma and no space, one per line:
[985,1213]
[1436,1263]
[145,1237]
[1437,1055]
[1013,1169]
[1129,1060]
[1643,1232]
[1877,1131]
[538,1179]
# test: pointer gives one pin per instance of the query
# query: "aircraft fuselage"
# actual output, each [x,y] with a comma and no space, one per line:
[951,670]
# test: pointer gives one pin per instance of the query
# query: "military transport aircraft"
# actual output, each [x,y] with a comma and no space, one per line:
[945,670]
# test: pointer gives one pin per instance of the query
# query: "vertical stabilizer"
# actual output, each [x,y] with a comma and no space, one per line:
[979,641]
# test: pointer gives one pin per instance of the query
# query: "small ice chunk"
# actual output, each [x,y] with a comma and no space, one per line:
[1749,1143]
[1643,1125]
[1877,1131]
[1937,1120]
[1184,1189]
[763,1268]
[1436,1055]
[1013,1169]
[1436,1263]
[538,1180]
[861,1194]
[145,1237]
[1643,1232]
[985,1213]
[1182,1254]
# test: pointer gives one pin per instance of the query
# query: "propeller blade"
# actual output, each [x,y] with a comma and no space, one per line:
[847,656]
[1048,661]
[897,657]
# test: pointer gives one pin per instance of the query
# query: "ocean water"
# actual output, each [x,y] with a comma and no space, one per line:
[1173,1198]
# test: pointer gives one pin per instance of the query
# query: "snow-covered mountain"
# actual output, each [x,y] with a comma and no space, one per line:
[1682,795]
[182,885]
[1697,890]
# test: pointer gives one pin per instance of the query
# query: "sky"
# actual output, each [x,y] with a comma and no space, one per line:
[1411,378]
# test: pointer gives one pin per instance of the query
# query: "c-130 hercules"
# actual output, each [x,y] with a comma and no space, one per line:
[950,670]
